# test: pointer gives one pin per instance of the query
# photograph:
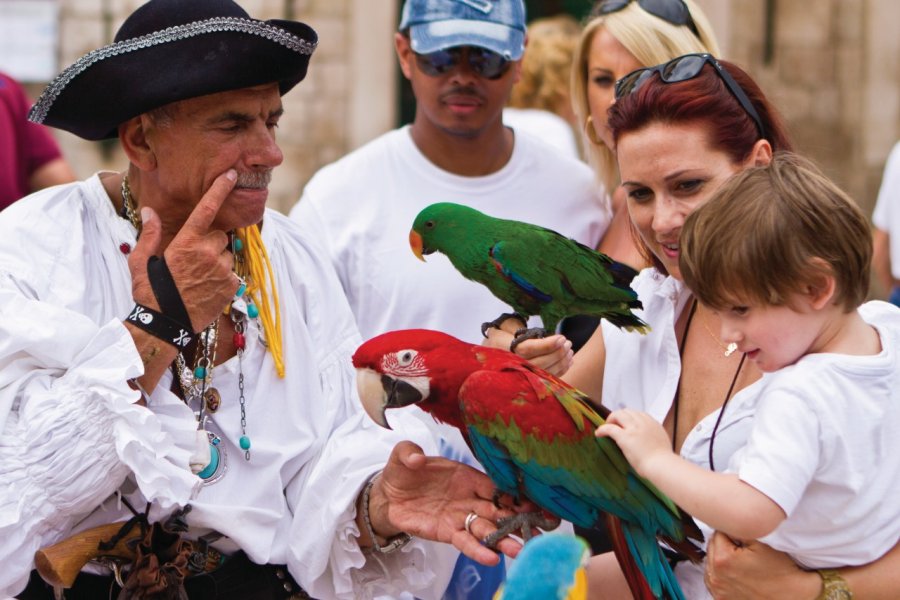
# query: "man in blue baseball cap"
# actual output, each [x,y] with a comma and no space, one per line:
[436,25]
[462,58]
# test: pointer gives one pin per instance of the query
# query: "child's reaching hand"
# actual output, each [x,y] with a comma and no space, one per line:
[639,436]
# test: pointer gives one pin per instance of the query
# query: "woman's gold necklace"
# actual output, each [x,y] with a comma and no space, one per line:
[728,349]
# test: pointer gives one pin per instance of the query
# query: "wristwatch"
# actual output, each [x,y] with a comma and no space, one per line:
[833,586]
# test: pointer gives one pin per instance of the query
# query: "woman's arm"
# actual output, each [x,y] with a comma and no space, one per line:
[553,353]
[53,172]
[606,580]
[755,571]
[586,372]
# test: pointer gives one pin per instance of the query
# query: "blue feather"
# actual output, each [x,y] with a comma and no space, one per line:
[526,286]
[548,568]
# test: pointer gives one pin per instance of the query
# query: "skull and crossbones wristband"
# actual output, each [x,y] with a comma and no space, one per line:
[160,326]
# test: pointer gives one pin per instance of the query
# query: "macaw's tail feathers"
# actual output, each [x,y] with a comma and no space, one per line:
[627,321]
[642,560]
[686,547]
[636,582]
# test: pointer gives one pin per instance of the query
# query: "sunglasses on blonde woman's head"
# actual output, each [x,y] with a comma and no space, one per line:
[481,61]
[675,12]
[684,68]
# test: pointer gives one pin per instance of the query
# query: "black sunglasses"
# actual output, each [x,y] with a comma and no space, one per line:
[684,68]
[482,61]
[675,12]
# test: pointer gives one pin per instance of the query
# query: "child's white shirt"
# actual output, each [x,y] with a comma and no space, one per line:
[825,446]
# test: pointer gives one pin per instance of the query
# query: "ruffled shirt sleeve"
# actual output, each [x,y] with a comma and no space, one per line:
[71,429]
[324,498]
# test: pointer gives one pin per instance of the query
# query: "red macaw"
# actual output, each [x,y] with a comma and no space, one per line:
[534,435]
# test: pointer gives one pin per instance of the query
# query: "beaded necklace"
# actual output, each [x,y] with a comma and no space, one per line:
[196,382]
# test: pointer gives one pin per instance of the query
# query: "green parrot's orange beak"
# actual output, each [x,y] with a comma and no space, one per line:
[415,242]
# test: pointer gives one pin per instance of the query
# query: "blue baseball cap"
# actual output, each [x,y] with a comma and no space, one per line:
[498,25]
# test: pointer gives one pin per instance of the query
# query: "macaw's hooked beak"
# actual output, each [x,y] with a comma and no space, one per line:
[380,392]
[417,245]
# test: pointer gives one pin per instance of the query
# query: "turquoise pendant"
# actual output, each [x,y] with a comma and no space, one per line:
[210,469]
[216,468]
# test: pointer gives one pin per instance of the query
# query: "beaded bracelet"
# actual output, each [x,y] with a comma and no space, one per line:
[395,543]
[160,326]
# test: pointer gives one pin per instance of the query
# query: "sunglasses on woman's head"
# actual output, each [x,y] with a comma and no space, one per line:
[675,12]
[481,61]
[684,68]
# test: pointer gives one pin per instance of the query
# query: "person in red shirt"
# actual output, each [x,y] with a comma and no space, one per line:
[30,158]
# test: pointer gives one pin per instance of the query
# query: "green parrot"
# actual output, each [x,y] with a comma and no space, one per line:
[533,269]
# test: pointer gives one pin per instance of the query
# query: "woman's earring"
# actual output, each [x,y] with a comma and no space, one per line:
[590,132]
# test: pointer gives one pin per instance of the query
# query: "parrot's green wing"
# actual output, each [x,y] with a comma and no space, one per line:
[566,277]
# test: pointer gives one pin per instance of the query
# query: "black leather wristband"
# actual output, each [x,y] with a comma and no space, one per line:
[166,292]
[160,326]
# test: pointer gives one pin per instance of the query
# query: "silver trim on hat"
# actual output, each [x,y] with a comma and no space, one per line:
[169,34]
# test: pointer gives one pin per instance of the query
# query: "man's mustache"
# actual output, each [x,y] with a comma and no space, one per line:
[463,91]
[254,179]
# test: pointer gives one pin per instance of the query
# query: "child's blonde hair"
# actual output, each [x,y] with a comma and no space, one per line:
[772,231]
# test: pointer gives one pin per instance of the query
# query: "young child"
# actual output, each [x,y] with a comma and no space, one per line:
[783,256]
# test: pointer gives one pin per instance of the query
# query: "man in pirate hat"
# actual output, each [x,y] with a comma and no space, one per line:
[167,341]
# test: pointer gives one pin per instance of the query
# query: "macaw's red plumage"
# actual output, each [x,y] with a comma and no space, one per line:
[534,436]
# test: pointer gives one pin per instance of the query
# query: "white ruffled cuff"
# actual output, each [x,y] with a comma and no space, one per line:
[73,441]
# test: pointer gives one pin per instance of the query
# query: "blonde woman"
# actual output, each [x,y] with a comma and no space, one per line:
[621,36]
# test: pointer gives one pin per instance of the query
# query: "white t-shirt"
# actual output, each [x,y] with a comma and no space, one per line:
[72,433]
[544,125]
[887,208]
[826,449]
[362,208]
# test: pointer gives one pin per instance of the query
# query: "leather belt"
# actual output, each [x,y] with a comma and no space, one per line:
[236,578]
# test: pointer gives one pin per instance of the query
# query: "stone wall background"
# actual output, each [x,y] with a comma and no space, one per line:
[831,66]
[833,72]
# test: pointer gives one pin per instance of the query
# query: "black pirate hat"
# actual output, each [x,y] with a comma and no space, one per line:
[170,50]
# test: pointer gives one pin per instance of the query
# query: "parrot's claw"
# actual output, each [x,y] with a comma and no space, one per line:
[523,523]
[498,322]
[495,499]
[523,334]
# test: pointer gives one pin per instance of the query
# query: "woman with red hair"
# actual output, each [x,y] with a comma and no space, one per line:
[680,130]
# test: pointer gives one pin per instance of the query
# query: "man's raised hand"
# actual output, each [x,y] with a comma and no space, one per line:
[197,257]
